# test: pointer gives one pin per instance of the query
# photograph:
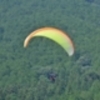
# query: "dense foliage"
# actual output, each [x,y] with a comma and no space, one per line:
[24,72]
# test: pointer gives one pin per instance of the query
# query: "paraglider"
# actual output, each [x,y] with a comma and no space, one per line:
[54,34]
[52,77]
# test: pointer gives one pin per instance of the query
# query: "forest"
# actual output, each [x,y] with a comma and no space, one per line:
[43,70]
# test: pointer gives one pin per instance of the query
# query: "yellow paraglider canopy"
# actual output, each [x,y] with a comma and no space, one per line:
[54,34]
